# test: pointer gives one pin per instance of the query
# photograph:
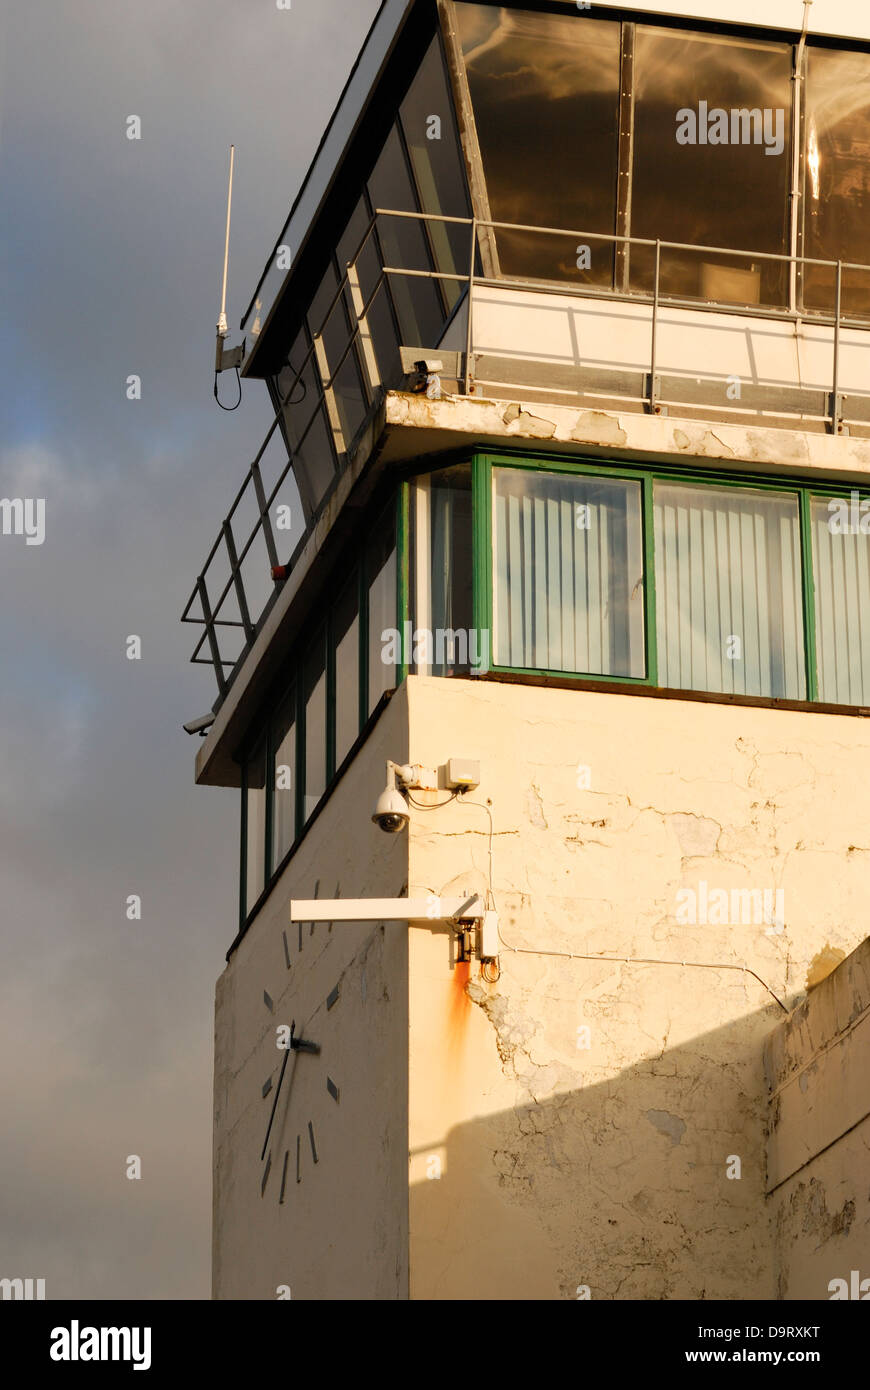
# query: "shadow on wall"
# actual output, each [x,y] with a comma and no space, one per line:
[645,1185]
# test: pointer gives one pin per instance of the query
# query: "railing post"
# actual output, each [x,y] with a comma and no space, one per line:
[238,582]
[837,426]
[655,408]
[265,519]
[212,636]
[469,339]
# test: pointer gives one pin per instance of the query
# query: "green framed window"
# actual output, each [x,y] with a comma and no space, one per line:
[727,583]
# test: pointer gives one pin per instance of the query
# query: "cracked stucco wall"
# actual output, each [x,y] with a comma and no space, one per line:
[574,1125]
[818,1161]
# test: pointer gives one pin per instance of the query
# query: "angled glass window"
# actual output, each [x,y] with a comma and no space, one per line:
[345,636]
[382,621]
[436,159]
[355,248]
[255,825]
[568,573]
[336,360]
[545,93]
[712,164]
[314,695]
[441,576]
[837,177]
[305,431]
[404,245]
[841,569]
[728,590]
[284,784]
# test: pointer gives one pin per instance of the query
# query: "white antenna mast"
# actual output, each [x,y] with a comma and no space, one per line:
[224,359]
[222,319]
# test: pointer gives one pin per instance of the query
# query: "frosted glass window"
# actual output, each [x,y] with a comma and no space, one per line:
[568,573]
[729,610]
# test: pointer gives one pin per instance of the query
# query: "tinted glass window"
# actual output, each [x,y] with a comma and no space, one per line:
[837,177]
[545,92]
[404,245]
[436,159]
[315,724]
[712,163]
[381,584]
[255,838]
[346,639]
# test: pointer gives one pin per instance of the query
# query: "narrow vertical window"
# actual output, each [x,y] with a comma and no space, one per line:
[841,573]
[441,576]
[314,694]
[837,178]
[345,627]
[284,773]
[381,586]
[255,826]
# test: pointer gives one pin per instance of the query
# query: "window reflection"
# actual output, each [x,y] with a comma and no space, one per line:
[403,245]
[436,160]
[837,177]
[711,194]
[545,92]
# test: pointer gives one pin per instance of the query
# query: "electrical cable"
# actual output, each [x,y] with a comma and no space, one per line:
[641,960]
[218,399]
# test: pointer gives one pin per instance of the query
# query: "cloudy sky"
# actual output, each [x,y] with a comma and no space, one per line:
[110,261]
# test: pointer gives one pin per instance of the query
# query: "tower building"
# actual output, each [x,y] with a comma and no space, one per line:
[554,566]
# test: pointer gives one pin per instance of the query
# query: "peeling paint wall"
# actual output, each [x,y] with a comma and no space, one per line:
[600,1123]
[341,1231]
[818,1066]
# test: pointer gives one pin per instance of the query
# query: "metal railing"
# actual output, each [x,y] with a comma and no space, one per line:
[213,603]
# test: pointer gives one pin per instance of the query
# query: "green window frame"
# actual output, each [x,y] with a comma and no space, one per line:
[805,492]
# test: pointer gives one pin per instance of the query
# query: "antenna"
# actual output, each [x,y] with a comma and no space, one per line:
[222,318]
[223,359]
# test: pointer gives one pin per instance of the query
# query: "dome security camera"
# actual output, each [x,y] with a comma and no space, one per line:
[391,811]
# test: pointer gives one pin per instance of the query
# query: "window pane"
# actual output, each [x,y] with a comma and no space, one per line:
[841,571]
[284,786]
[403,245]
[545,92]
[381,324]
[343,377]
[441,576]
[728,184]
[568,584]
[346,636]
[837,177]
[315,725]
[381,579]
[255,844]
[728,591]
[438,167]
[309,442]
